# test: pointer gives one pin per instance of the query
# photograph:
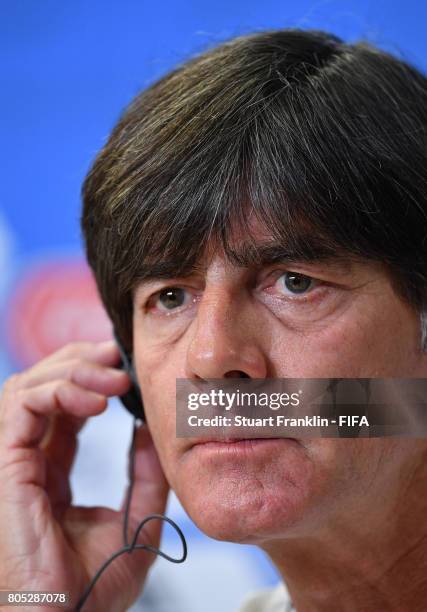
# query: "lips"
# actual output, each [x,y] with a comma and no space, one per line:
[231,440]
[223,440]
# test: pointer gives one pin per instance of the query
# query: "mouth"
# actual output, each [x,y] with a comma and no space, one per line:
[244,443]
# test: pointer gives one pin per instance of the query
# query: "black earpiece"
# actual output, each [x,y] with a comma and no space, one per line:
[132,400]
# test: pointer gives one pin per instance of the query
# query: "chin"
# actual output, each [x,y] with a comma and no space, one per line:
[246,496]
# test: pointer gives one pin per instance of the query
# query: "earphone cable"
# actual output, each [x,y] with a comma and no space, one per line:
[129,548]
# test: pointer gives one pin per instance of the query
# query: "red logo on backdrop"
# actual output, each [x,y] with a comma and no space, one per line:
[53,304]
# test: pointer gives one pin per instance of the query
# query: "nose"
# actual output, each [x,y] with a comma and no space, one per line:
[226,341]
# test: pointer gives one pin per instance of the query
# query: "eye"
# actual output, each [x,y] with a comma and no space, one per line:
[170,299]
[294,283]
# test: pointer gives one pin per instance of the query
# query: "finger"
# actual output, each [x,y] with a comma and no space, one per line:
[87,374]
[94,377]
[25,412]
[60,444]
[150,488]
[104,353]
[58,468]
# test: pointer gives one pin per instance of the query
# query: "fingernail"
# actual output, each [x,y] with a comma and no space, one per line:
[107,344]
[117,373]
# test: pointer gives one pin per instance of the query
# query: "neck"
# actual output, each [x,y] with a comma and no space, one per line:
[370,557]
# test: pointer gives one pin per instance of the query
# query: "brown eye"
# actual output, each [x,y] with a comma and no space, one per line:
[172,297]
[294,282]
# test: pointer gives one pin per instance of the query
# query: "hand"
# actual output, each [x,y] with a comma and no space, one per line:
[46,544]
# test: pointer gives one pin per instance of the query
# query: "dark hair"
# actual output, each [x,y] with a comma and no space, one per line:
[325,142]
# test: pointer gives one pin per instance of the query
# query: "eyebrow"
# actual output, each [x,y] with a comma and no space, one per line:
[301,251]
[310,251]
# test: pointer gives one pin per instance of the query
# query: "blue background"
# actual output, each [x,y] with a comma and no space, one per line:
[67,70]
[69,67]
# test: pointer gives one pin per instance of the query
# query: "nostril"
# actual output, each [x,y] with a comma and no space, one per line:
[236,374]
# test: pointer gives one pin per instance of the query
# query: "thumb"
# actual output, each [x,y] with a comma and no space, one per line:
[150,487]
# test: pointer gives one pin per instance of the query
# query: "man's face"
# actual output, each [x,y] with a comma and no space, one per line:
[265,322]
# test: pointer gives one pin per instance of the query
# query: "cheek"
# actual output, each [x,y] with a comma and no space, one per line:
[350,348]
[364,341]
[379,341]
[157,372]
[159,404]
